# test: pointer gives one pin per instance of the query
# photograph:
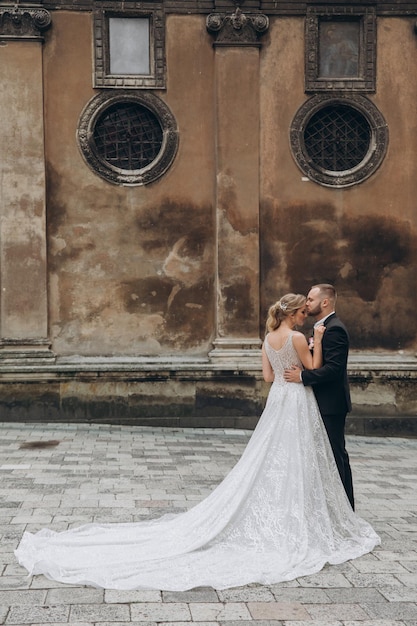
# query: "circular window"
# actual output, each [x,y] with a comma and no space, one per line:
[338,141]
[127,138]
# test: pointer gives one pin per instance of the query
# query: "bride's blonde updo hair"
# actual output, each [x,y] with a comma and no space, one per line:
[286,305]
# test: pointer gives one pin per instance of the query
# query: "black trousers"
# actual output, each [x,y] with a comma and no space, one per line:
[335,427]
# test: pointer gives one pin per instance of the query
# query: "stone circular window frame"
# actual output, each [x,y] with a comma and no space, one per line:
[85,136]
[377,146]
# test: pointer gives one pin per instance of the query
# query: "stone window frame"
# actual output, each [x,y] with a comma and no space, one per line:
[101,75]
[366,80]
[377,146]
[85,137]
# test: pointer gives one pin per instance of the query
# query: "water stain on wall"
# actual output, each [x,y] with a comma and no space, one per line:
[159,226]
[377,244]
[238,303]
[179,237]
[129,275]
[371,259]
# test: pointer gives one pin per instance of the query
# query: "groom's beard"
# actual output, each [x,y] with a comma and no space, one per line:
[316,312]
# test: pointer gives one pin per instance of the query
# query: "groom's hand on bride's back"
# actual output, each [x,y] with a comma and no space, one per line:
[293,374]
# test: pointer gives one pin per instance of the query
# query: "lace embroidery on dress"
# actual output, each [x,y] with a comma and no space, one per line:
[282,359]
[280,513]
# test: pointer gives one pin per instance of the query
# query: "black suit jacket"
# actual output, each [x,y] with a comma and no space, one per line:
[330,382]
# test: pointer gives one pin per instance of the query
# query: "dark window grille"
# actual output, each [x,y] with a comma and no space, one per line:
[128,136]
[337,138]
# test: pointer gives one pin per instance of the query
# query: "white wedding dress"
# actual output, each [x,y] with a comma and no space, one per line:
[280,513]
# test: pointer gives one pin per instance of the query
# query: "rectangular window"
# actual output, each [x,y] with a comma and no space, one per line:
[129,45]
[129,48]
[340,48]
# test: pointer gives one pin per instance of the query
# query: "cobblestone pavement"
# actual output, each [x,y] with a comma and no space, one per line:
[64,475]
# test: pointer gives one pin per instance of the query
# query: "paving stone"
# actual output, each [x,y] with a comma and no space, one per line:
[277,610]
[14,569]
[411,566]
[60,624]
[3,613]
[125,624]
[373,622]
[22,597]
[392,610]
[258,622]
[355,595]
[391,555]
[99,613]
[206,594]
[399,594]
[375,580]
[74,595]
[32,614]
[246,594]
[159,612]
[14,582]
[337,611]
[409,580]
[113,596]
[305,595]
[381,567]
[188,623]
[209,612]
[315,623]
[327,580]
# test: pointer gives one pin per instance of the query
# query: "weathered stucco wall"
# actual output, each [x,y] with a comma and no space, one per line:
[361,238]
[131,268]
[146,304]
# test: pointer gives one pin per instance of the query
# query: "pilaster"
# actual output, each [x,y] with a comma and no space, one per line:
[23,271]
[237,42]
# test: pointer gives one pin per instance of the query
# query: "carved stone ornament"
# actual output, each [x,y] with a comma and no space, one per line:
[24,23]
[238,29]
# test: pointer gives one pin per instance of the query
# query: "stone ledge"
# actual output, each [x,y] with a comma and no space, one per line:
[382,426]
[376,426]
[359,365]
[193,392]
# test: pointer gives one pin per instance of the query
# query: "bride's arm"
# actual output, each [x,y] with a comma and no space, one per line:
[318,348]
[267,371]
[309,361]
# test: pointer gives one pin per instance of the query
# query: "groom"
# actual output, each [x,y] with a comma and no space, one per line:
[330,382]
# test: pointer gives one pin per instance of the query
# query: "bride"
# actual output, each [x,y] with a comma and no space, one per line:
[281,512]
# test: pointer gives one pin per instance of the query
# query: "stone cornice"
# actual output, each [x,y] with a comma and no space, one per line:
[389,8]
[23,23]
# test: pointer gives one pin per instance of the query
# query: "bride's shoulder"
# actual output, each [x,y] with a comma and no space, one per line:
[298,337]
[269,337]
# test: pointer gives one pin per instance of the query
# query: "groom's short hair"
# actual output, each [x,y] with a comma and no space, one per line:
[327,290]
